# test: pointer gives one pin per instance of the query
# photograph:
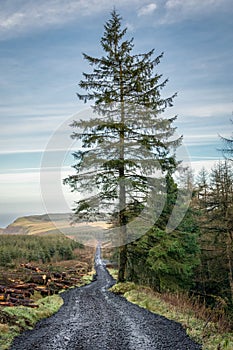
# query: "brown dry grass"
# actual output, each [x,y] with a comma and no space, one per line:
[217,315]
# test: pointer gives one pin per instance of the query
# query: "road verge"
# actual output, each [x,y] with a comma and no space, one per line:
[177,308]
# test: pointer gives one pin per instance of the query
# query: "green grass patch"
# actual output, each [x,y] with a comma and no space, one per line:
[201,330]
[88,278]
[123,288]
[113,272]
[14,320]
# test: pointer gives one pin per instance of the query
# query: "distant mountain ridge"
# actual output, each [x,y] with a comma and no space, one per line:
[37,224]
[58,223]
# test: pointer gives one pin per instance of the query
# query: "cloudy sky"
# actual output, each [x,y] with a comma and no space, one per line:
[41,45]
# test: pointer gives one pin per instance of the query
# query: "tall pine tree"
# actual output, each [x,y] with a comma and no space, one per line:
[128,137]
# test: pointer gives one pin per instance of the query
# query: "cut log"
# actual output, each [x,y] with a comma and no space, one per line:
[17,295]
[31,267]
[2,297]
[2,289]
[18,292]
[6,303]
[39,288]
[67,282]
[59,285]
[24,285]
[45,292]
[38,279]
[23,302]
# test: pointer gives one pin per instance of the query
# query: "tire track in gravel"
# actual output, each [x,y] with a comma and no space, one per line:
[92,318]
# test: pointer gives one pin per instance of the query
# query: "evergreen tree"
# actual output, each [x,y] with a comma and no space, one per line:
[228,146]
[166,261]
[128,137]
[202,185]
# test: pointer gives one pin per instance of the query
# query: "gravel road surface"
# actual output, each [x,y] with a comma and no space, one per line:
[92,318]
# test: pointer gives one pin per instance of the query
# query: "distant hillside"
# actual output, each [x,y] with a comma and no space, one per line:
[56,223]
[36,224]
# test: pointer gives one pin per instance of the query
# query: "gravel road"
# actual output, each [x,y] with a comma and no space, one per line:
[92,318]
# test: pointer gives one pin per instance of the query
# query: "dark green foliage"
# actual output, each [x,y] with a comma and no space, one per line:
[36,248]
[171,191]
[165,261]
[173,258]
[214,277]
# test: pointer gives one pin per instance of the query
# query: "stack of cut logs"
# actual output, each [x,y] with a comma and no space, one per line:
[17,292]
[17,295]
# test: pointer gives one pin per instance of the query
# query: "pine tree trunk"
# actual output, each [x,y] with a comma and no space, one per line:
[122,190]
[122,263]
[123,236]
[230,268]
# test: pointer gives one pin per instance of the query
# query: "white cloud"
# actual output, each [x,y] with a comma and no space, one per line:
[13,20]
[147,10]
[23,190]
[17,17]
[177,10]
[38,14]
[37,111]
[47,13]
[198,165]
[130,27]
[194,5]
[200,140]
[205,110]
